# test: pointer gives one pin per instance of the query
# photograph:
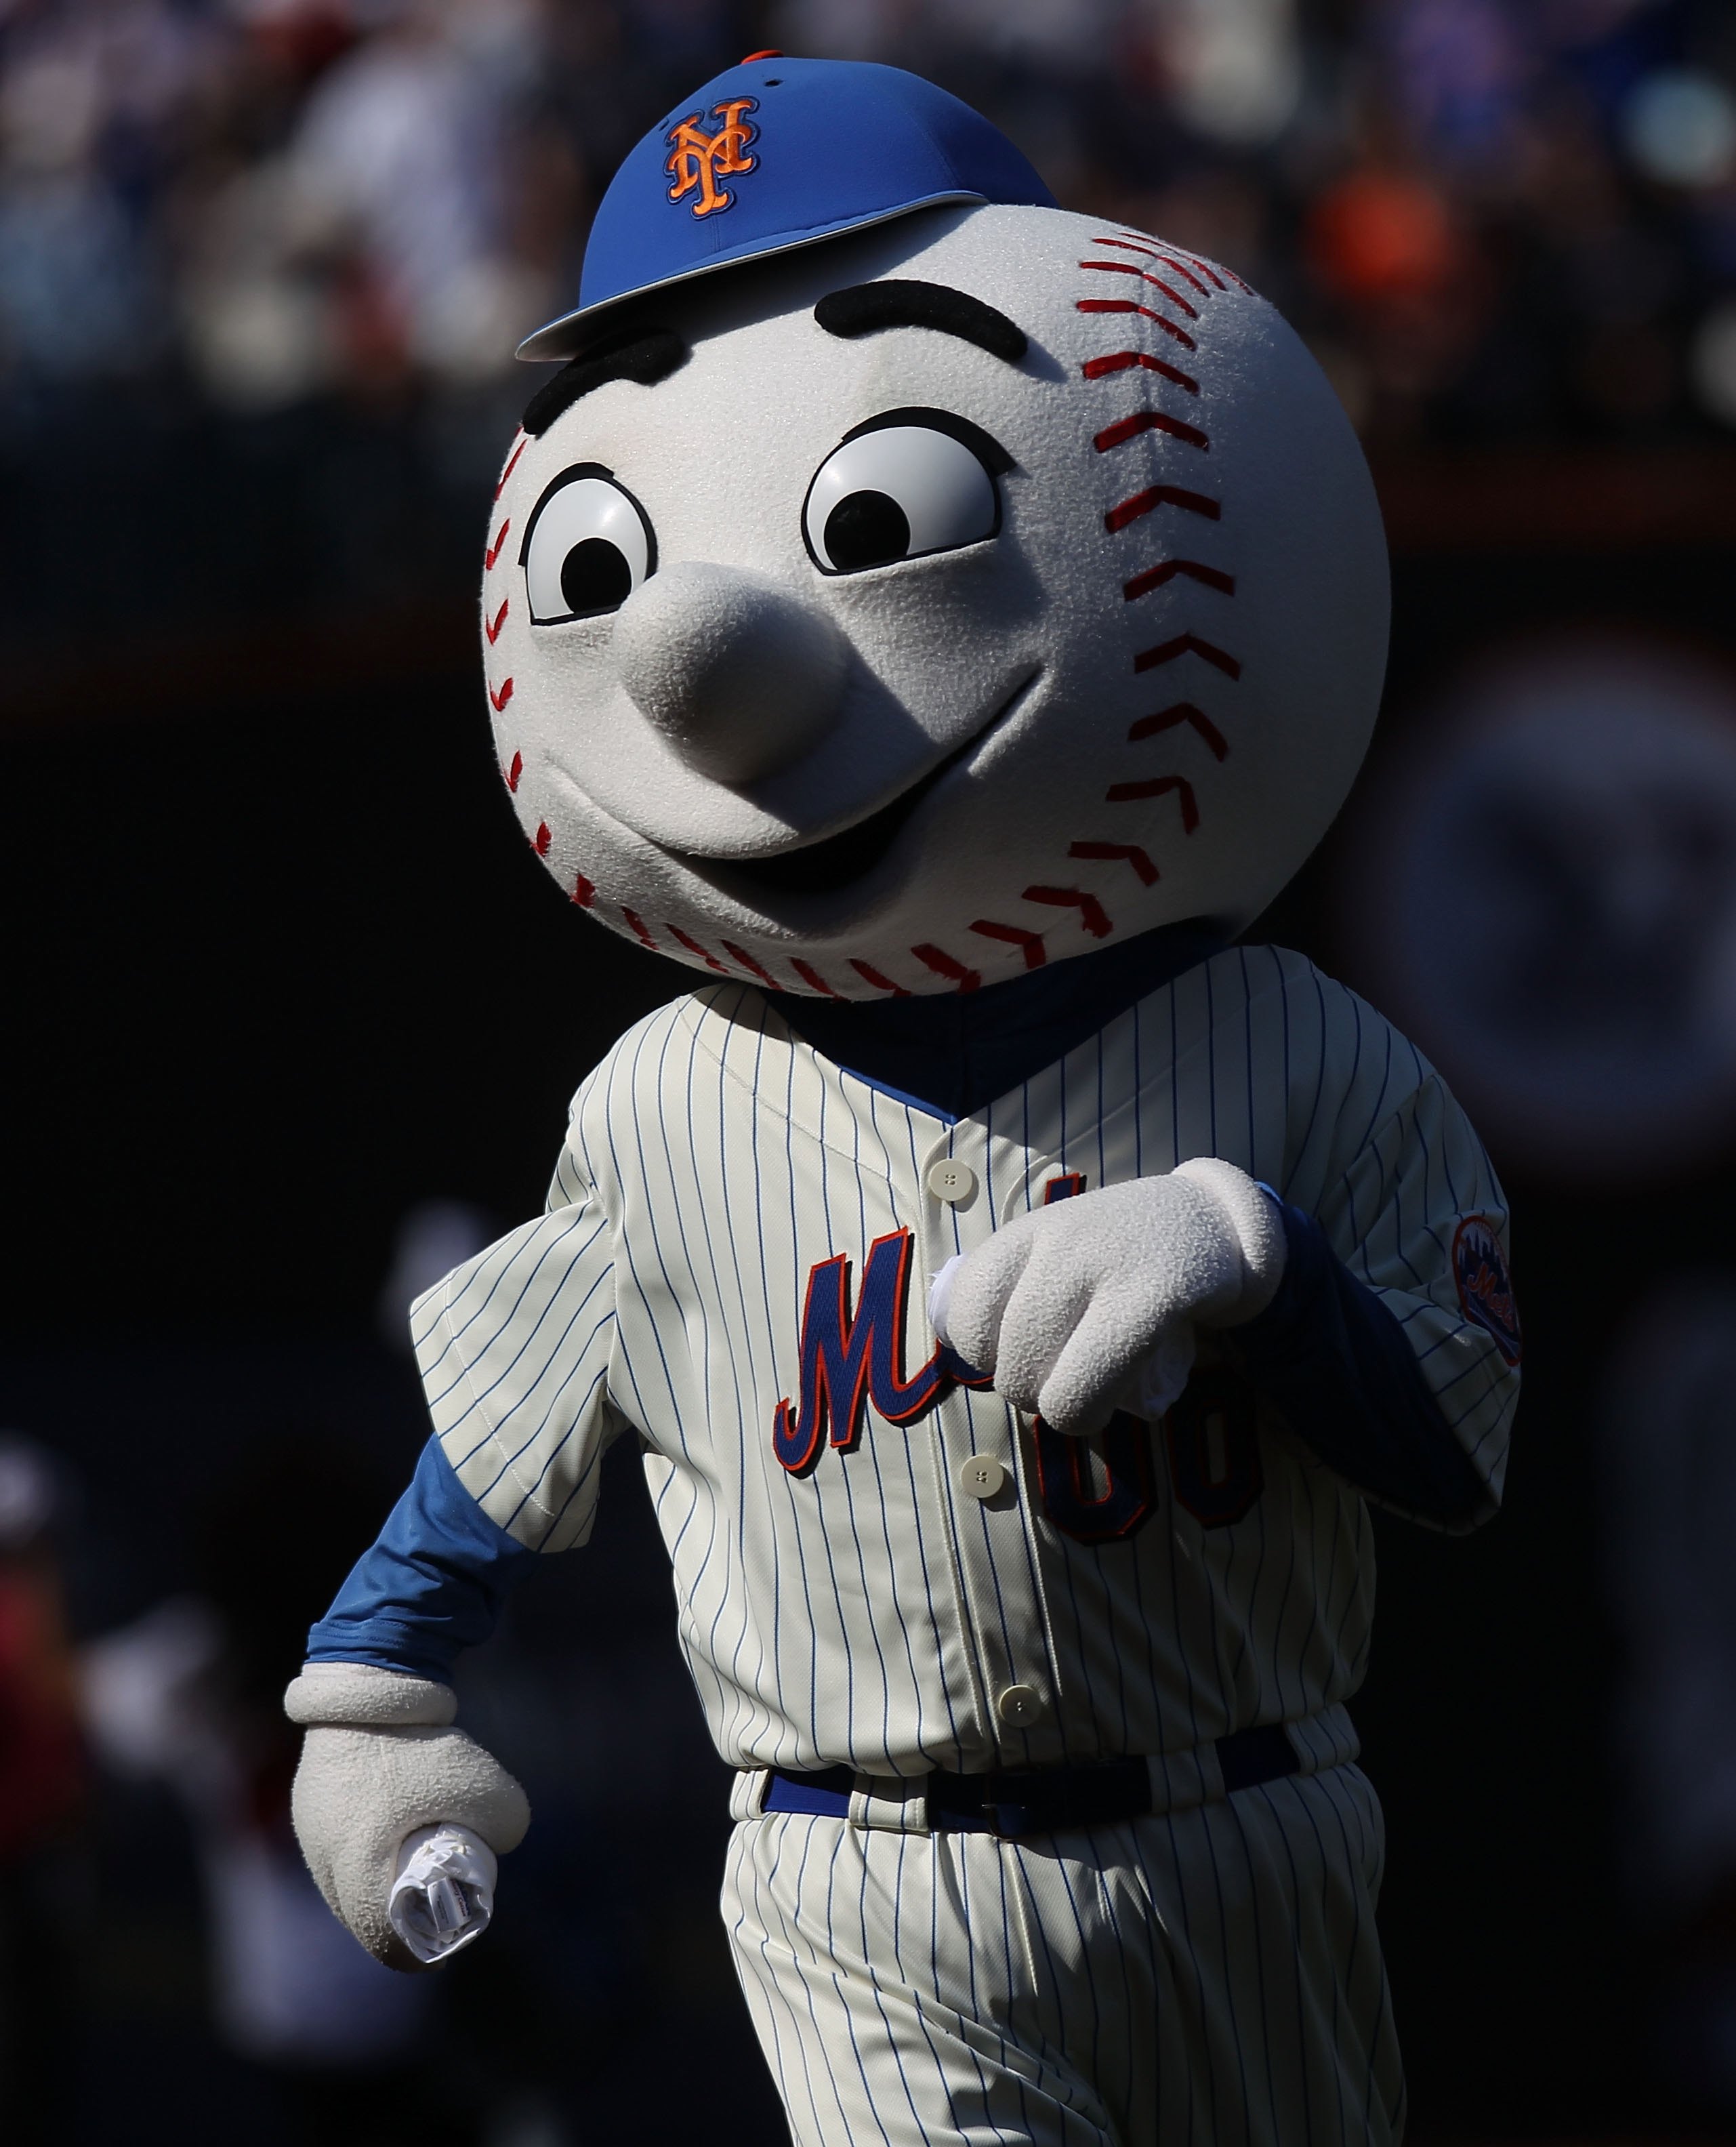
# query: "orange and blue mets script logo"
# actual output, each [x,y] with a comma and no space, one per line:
[697,160]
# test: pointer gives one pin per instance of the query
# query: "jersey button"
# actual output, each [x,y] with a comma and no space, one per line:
[952,1181]
[980,1476]
[1019,1706]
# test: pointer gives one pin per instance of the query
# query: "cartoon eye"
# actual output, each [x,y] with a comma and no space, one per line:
[589,546]
[905,484]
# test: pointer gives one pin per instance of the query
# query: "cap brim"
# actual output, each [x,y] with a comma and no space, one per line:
[555,339]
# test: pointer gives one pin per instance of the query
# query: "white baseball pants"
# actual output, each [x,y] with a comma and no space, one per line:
[1210,1976]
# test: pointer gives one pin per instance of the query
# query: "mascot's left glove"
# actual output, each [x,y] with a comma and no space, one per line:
[380,1759]
[1064,1306]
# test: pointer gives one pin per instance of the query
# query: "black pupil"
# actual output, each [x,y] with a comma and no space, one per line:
[595,576]
[866,529]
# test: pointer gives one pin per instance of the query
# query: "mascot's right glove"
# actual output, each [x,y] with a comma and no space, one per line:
[380,1758]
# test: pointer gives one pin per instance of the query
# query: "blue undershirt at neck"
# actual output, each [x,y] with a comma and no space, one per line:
[951,1052]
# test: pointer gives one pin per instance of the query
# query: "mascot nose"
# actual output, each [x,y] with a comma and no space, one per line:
[740,677]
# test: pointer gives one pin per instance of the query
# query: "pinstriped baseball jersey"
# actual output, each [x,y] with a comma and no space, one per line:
[876,1561]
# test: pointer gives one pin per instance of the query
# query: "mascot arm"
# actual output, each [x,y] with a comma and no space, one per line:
[1333,1358]
[381,1757]
[1391,1346]
[1391,1380]
[514,1347]
[517,1388]
[432,1584]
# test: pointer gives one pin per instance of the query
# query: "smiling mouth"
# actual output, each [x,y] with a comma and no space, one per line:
[836,861]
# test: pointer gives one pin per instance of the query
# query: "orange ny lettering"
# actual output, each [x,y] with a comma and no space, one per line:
[697,160]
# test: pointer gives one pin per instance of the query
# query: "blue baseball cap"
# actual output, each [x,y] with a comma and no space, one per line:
[778,153]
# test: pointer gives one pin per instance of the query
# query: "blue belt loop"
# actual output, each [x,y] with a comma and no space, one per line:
[816,1796]
[1247,1758]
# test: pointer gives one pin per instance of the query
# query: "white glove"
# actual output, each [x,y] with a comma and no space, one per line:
[1088,1306]
[380,1760]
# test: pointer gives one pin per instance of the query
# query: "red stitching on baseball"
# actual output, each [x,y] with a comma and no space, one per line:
[1160,495]
[1156,786]
[1147,421]
[1130,245]
[1015,936]
[1136,857]
[1204,268]
[741,954]
[1184,712]
[1126,269]
[1127,306]
[637,922]
[583,892]
[880,983]
[810,975]
[941,963]
[494,632]
[502,696]
[1166,570]
[493,551]
[1121,361]
[543,839]
[515,771]
[693,947]
[512,463]
[1174,297]
[1091,914]
[1169,261]
[1184,645]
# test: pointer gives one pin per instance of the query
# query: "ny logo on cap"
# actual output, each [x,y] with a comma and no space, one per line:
[696,159]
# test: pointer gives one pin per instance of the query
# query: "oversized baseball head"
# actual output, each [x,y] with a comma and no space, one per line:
[905,583]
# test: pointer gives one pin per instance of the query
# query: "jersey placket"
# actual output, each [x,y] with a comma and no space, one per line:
[979,1478]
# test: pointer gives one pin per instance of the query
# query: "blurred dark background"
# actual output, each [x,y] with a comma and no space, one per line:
[291,1017]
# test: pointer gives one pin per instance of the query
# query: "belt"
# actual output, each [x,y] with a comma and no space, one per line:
[1042,1799]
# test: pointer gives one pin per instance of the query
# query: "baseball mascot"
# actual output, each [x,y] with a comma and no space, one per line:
[943,623]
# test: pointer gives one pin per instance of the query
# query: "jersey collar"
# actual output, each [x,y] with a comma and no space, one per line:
[951,1053]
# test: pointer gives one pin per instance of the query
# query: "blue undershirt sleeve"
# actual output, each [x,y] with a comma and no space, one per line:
[432,1584]
[1333,1359]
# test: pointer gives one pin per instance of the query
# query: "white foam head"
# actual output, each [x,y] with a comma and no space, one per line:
[1126,678]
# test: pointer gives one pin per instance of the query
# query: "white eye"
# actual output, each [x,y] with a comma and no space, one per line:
[587,548]
[911,482]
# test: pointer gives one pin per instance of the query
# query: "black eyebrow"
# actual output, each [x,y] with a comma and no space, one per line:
[894,304]
[646,355]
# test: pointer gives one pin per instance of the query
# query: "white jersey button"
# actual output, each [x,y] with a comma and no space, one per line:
[980,1476]
[952,1181]
[1019,1706]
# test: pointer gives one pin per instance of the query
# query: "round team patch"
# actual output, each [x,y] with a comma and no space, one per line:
[1484,1288]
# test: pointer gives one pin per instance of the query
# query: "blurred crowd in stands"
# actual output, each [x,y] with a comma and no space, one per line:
[1490,217]
[168,1972]
[263,262]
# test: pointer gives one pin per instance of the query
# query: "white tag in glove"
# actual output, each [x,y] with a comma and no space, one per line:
[1161,1378]
[443,1895]
[940,1296]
